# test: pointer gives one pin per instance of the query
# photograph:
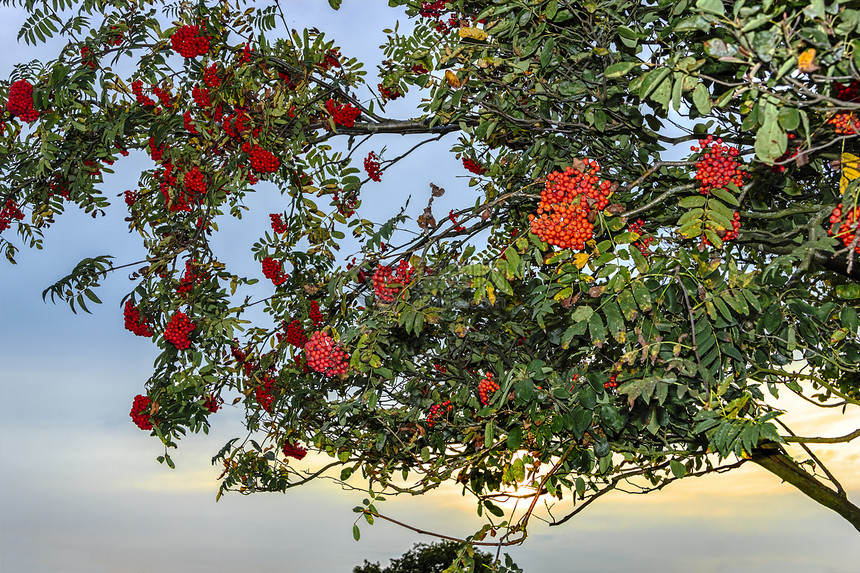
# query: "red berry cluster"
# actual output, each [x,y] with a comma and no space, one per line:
[388,282]
[190,278]
[718,166]
[293,451]
[9,212]
[736,228]
[20,102]
[419,69]
[140,97]
[134,322]
[438,411]
[564,215]
[86,58]
[486,387]
[296,334]
[187,122]
[473,166]
[612,382]
[457,228]
[644,242]
[315,314]
[331,59]
[371,166]
[263,161]
[195,183]
[389,93]
[131,197]
[435,11]
[274,270]
[140,412]
[201,97]
[344,114]
[188,42]
[265,393]
[347,205]
[178,329]
[278,224]
[156,153]
[210,76]
[323,355]
[844,123]
[844,225]
[163,95]
[245,56]
[849,91]
[212,403]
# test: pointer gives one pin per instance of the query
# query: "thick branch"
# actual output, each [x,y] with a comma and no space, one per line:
[775,460]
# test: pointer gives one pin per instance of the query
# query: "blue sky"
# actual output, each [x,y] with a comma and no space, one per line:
[81,490]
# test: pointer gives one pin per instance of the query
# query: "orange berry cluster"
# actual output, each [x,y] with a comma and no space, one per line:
[566,202]
[388,282]
[194,182]
[263,161]
[293,451]
[473,166]
[438,411]
[718,166]
[612,382]
[274,270]
[20,102]
[178,329]
[188,43]
[323,355]
[343,114]
[486,387]
[371,166]
[134,322]
[845,229]
[140,410]
[844,123]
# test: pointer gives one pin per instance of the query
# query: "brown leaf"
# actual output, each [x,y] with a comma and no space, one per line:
[436,190]
[578,164]
[616,209]
[596,291]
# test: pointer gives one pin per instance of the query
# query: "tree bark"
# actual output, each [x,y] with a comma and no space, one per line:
[774,459]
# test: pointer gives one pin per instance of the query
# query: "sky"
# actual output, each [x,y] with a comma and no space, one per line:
[80,490]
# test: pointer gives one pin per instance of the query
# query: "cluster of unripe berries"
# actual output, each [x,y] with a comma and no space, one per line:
[844,224]
[134,322]
[388,282]
[178,329]
[323,355]
[569,199]
[343,114]
[438,411]
[140,412]
[486,387]
[371,167]
[188,42]
[274,270]
[20,103]
[718,167]
[293,451]
[473,166]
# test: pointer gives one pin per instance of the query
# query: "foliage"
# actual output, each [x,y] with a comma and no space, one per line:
[642,356]
[424,558]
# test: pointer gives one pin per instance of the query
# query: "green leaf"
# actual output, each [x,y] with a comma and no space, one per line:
[692,201]
[678,469]
[702,99]
[356,532]
[515,439]
[620,69]
[711,7]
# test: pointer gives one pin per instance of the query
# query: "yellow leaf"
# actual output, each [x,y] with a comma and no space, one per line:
[491,294]
[580,259]
[806,61]
[452,79]
[850,170]
[473,33]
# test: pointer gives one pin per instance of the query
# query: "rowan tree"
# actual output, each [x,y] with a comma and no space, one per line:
[664,237]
